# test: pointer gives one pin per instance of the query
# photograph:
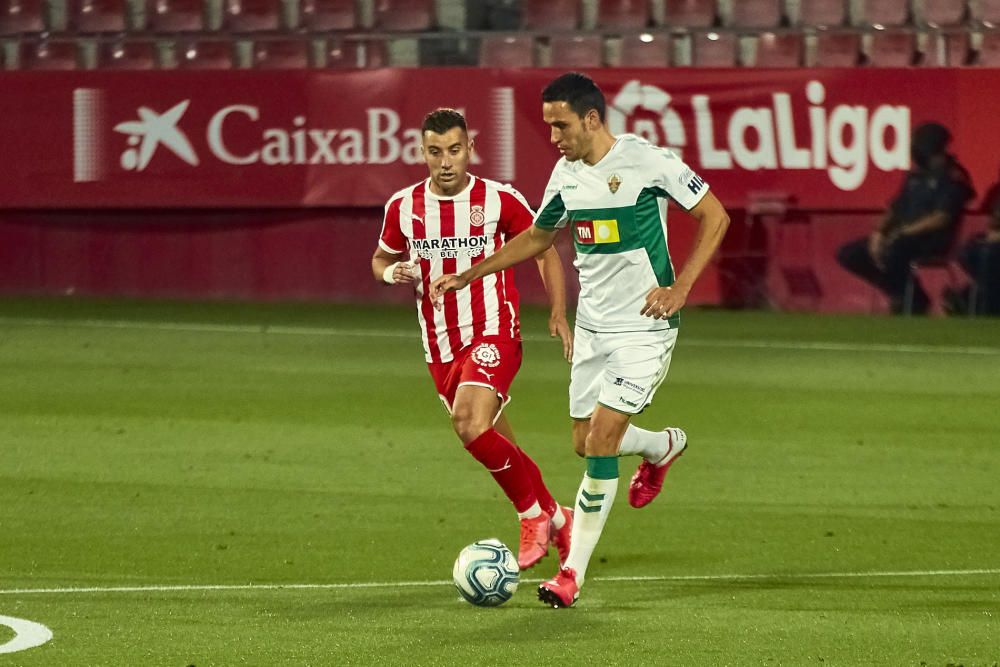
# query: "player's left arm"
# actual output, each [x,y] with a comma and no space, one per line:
[662,302]
[551,270]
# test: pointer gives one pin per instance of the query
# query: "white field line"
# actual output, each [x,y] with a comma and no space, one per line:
[206,327]
[775,577]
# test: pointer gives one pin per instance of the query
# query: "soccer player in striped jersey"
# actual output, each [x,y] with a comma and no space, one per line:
[612,192]
[447,223]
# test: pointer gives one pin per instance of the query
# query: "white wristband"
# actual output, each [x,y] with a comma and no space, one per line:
[387,274]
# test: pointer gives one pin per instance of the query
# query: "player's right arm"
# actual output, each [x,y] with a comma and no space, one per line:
[388,266]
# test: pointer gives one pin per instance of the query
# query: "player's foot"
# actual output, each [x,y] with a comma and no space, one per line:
[534,540]
[561,590]
[561,538]
[648,479]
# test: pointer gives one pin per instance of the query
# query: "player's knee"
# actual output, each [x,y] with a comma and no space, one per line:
[468,425]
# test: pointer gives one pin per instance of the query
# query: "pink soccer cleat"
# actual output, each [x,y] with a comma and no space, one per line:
[648,479]
[561,538]
[561,591]
[535,534]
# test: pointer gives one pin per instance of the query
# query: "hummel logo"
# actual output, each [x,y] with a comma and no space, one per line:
[505,466]
[489,376]
[152,130]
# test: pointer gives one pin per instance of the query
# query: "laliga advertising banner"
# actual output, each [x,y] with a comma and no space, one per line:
[830,139]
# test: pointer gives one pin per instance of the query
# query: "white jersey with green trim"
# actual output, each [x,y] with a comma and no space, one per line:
[617,210]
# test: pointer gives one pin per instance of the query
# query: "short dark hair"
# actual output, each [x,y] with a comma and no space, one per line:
[578,91]
[440,121]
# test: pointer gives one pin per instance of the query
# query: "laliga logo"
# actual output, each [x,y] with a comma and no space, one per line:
[843,140]
[150,132]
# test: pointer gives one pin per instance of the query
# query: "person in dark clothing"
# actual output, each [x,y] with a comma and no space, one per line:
[980,258]
[921,222]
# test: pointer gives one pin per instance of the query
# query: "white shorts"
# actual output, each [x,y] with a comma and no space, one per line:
[620,371]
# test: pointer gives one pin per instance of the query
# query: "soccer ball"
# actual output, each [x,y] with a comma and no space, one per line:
[486,573]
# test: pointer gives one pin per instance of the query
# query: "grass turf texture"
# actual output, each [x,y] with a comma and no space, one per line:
[271,450]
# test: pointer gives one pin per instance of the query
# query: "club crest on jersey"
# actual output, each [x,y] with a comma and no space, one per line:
[477,216]
[589,232]
[614,183]
[486,354]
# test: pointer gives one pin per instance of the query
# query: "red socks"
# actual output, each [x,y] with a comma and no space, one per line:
[513,470]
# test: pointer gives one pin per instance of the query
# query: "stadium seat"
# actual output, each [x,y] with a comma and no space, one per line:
[785,50]
[645,51]
[252,15]
[989,50]
[98,15]
[323,15]
[837,49]
[130,55]
[576,51]
[404,15]
[177,16]
[892,48]
[884,12]
[689,13]
[281,54]
[822,12]
[509,51]
[713,49]
[205,54]
[941,13]
[550,14]
[48,55]
[957,49]
[613,14]
[350,54]
[18,16]
[756,14]
[988,11]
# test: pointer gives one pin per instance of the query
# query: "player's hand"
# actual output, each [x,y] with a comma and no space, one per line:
[405,273]
[449,282]
[662,302]
[558,326]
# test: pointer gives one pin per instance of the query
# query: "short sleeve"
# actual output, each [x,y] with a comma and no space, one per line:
[552,213]
[391,239]
[674,177]
[515,213]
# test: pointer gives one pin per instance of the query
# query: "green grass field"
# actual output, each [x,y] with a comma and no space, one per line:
[839,503]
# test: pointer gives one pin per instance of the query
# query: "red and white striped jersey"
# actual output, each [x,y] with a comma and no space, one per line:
[448,235]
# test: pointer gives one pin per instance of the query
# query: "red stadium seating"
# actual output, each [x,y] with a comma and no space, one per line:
[550,14]
[252,15]
[837,49]
[823,12]
[577,51]
[713,49]
[98,15]
[613,14]
[404,15]
[690,13]
[48,55]
[345,54]
[176,16]
[989,50]
[885,12]
[756,13]
[205,54]
[943,12]
[281,54]
[509,51]
[892,48]
[957,49]
[988,12]
[21,16]
[322,15]
[645,51]
[785,50]
[127,55]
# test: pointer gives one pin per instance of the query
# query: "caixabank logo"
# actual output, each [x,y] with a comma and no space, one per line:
[845,140]
[135,138]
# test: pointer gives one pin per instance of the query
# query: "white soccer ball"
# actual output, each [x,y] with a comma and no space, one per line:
[486,573]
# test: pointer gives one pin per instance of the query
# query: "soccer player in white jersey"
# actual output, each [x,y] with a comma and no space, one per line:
[612,193]
[447,223]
